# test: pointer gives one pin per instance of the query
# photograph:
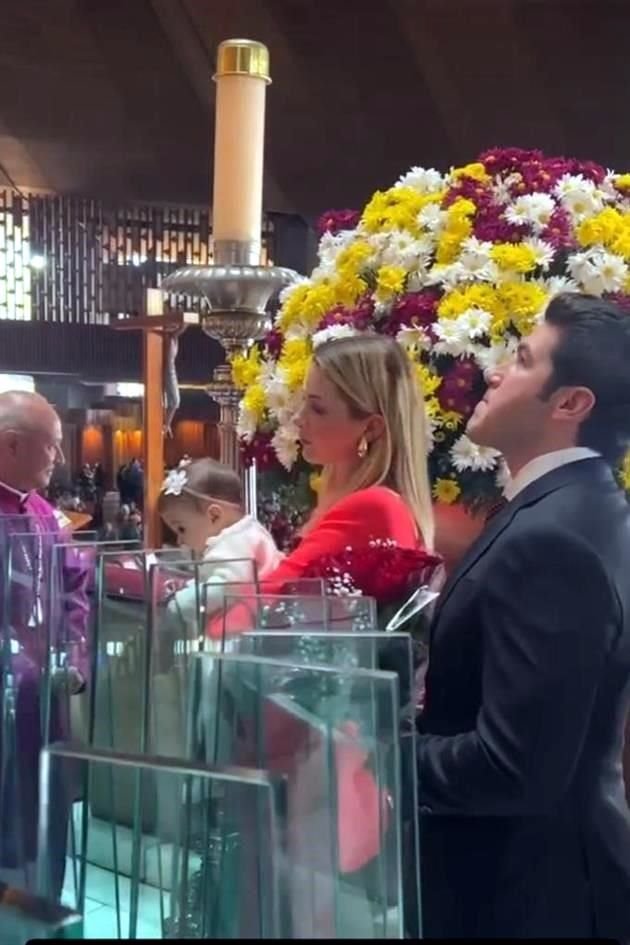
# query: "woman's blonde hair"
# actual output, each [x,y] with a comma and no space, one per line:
[373,375]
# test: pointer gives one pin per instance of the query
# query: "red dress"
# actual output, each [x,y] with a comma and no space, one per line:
[373,513]
[362,814]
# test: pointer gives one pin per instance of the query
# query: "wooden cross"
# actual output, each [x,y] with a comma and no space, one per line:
[154,329]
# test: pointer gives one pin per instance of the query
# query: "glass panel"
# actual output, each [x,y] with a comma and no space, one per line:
[119,697]
[46,654]
[188,877]
[244,612]
[192,593]
[34,703]
[332,732]
[24,917]
[177,632]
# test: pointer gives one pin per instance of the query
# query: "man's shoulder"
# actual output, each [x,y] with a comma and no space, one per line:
[39,505]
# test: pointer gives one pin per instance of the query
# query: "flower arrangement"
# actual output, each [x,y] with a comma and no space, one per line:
[383,570]
[457,267]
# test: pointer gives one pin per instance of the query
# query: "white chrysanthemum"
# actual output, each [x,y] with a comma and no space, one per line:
[424,180]
[287,415]
[277,393]
[413,337]
[532,210]
[543,252]
[468,455]
[556,285]
[447,275]
[285,443]
[474,322]
[579,196]
[402,249]
[246,424]
[331,244]
[454,337]
[381,310]
[298,329]
[334,331]
[496,356]
[598,272]
[430,427]
[431,218]
[417,280]
[607,186]
[613,271]
[475,263]
[502,185]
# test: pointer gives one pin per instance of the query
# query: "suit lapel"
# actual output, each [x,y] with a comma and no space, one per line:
[593,469]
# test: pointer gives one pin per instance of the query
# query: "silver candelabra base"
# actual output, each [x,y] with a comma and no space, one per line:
[236,298]
[235,294]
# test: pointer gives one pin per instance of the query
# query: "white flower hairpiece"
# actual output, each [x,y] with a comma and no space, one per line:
[176,480]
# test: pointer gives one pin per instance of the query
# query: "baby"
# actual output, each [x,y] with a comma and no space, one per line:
[202,503]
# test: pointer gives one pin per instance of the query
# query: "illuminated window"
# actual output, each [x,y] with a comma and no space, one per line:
[15,259]
[129,389]
[17,382]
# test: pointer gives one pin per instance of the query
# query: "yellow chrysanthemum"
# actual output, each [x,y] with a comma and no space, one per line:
[246,368]
[450,419]
[514,257]
[624,472]
[474,171]
[602,228]
[396,209]
[622,182]
[308,304]
[427,380]
[352,259]
[455,303]
[348,289]
[457,228]
[294,361]
[621,243]
[254,401]
[462,208]
[521,303]
[446,491]
[390,281]
[432,407]
[315,482]
[448,248]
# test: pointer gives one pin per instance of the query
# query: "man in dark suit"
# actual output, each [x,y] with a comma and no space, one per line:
[525,826]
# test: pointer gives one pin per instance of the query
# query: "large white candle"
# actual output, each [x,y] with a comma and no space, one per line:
[241,78]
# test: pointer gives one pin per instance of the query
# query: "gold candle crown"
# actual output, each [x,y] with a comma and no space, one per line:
[243,57]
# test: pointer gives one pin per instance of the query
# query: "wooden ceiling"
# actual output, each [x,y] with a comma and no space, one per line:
[113,99]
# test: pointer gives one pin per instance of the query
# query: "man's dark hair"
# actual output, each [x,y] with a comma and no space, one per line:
[594,352]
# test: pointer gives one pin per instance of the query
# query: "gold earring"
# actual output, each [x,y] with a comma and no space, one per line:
[362,448]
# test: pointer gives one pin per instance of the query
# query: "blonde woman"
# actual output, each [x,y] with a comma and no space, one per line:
[363,421]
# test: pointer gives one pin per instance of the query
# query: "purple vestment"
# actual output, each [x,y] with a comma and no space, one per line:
[44,617]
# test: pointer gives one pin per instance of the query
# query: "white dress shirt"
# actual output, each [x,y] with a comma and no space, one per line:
[541,465]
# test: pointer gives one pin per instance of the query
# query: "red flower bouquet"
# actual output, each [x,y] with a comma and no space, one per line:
[383,571]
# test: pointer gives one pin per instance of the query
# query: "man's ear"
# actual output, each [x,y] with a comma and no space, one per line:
[9,441]
[574,404]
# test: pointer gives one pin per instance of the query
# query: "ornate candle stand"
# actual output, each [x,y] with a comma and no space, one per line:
[234,295]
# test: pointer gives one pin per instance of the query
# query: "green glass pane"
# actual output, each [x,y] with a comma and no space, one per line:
[188,876]
[332,732]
